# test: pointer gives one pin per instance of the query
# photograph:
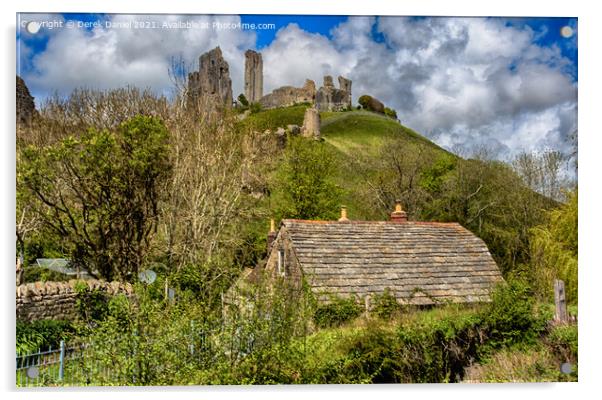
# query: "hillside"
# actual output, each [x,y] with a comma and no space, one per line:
[378,160]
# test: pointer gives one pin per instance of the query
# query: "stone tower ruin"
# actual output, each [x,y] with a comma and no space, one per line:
[211,87]
[253,76]
[329,98]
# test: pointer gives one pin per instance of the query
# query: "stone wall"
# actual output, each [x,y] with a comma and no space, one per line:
[56,300]
[26,107]
[329,98]
[211,87]
[289,95]
[253,76]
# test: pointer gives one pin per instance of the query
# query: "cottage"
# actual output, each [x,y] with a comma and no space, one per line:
[421,263]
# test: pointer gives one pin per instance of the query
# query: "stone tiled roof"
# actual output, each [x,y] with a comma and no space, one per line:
[420,262]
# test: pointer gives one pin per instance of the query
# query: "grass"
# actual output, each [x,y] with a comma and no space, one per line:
[274,118]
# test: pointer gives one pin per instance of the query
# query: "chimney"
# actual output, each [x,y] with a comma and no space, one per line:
[398,215]
[343,214]
[271,235]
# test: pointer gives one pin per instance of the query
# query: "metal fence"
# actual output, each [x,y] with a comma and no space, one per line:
[76,365]
[44,368]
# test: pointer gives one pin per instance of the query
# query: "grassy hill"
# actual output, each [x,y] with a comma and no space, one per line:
[352,137]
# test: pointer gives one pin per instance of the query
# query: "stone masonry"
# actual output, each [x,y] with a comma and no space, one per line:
[26,107]
[289,95]
[253,76]
[211,86]
[329,98]
[57,300]
[311,123]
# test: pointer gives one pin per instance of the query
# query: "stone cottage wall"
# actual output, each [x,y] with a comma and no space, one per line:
[56,300]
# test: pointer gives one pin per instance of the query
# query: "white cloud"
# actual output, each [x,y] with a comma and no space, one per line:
[461,81]
[106,58]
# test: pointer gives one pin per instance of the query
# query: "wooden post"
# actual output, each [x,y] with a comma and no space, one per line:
[560,301]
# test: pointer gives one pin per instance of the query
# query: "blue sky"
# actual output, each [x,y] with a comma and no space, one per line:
[508,84]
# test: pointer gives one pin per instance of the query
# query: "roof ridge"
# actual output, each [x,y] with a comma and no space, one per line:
[360,222]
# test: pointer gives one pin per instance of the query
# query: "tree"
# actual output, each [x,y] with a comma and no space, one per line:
[364,101]
[100,193]
[304,185]
[243,100]
[391,113]
[554,249]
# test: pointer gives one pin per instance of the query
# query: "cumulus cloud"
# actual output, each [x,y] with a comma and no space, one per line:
[463,82]
[109,57]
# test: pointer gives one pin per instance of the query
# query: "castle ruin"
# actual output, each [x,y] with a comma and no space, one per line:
[289,95]
[211,86]
[253,76]
[329,98]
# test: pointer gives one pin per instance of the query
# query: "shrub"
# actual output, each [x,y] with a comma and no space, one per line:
[255,107]
[338,311]
[389,112]
[243,100]
[41,335]
[91,305]
[511,317]
[385,305]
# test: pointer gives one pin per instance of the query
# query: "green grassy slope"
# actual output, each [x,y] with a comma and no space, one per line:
[350,135]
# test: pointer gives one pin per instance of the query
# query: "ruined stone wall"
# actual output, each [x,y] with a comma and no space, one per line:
[289,95]
[211,86]
[26,107]
[57,300]
[253,76]
[329,98]
[311,123]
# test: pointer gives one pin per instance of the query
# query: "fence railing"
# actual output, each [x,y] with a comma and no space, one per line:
[76,365]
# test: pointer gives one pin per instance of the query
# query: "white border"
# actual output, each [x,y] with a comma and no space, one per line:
[589,177]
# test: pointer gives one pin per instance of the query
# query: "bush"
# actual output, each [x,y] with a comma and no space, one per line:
[338,311]
[41,335]
[39,274]
[385,305]
[255,107]
[91,305]
[389,112]
[511,317]
[243,100]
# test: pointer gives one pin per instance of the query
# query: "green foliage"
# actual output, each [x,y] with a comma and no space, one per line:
[42,335]
[364,101]
[91,305]
[554,250]
[338,311]
[243,100]
[563,340]
[255,107]
[39,274]
[389,112]
[304,186]
[100,193]
[385,305]
[511,317]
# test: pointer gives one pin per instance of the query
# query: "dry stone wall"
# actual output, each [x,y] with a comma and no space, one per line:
[57,300]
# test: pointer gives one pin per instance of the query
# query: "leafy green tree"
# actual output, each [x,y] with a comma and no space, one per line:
[364,101]
[554,250]
[243,100]
[391,113]
[99,193]
[305,188]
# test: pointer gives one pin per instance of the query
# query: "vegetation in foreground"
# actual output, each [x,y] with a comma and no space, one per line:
[200,219]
